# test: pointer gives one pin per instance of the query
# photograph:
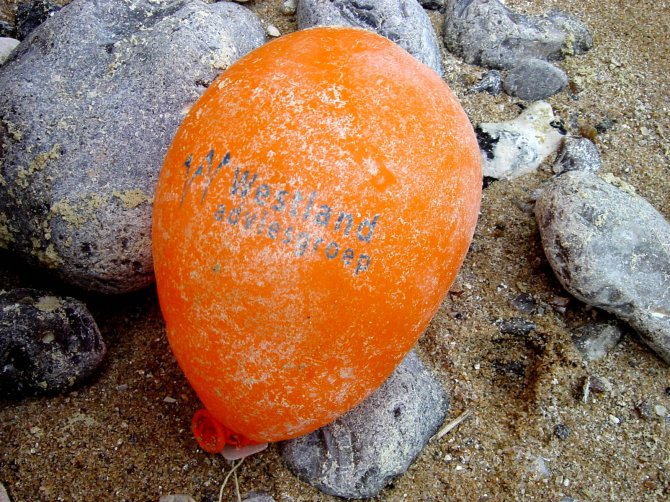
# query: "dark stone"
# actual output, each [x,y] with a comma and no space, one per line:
[609,248]
[561,431]
[47,344]
[515,326]
[491,82]
[432,4]
[577,154]
[7,29]
[594,341]
[534,79]
[89,105]
[361,452]
[30,15]
[401,21]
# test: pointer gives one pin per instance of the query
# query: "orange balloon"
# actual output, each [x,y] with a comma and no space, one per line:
[312,212]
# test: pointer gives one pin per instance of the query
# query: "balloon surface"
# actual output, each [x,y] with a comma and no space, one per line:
[312,211]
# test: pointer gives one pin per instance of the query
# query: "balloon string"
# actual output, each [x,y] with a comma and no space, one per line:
[225,481]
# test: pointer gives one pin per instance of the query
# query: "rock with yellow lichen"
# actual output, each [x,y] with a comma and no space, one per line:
[89,104]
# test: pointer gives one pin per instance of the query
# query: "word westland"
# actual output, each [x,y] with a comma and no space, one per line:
[255,206]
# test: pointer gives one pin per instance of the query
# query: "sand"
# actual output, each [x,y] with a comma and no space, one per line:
[117,438]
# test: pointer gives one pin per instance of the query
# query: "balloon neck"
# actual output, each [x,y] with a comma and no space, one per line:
[213,436]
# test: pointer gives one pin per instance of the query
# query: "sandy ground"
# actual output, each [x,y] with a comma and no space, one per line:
[117,439]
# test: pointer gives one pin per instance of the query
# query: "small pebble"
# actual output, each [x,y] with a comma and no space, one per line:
[600,384]
[660,410]
[645,410]
[534,79]
[258,497]
[515,326]
[527,304]
[7,46]
[176,498]
[289,7]
[273,31]
[169,400]
[614,420]
[577,154]
[490,82]
[561,431]
[595,340]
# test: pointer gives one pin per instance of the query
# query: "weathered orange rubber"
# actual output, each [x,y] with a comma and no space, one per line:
[312,212]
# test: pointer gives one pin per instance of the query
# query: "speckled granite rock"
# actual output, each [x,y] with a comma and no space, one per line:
[89,104]
[611,249]
[360,453]
[401,21]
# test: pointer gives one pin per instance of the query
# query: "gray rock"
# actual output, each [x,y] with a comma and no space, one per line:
[357,455]
[579,39]
[259,497]
[595,340]
[47,343]
[611,249]
[491,82]
[7,46]
[486,33]
[517,326]
[176,498]
[401,21]
[289,7]
[534,79]
[511,149]
[4,496]
[577,154]
[89,106]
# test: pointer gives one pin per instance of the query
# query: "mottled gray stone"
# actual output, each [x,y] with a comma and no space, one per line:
[7,46]
[491,82]
[611,249]
[401,21]
[360,453]
[511,149]
[595,340]
[4,496]
[47,343]
[579,39]
[176,498]
[534,79]
[577,154]
[90,103]
[486,33]
[259,497]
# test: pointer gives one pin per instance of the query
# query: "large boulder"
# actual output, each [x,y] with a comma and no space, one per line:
[89,104]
